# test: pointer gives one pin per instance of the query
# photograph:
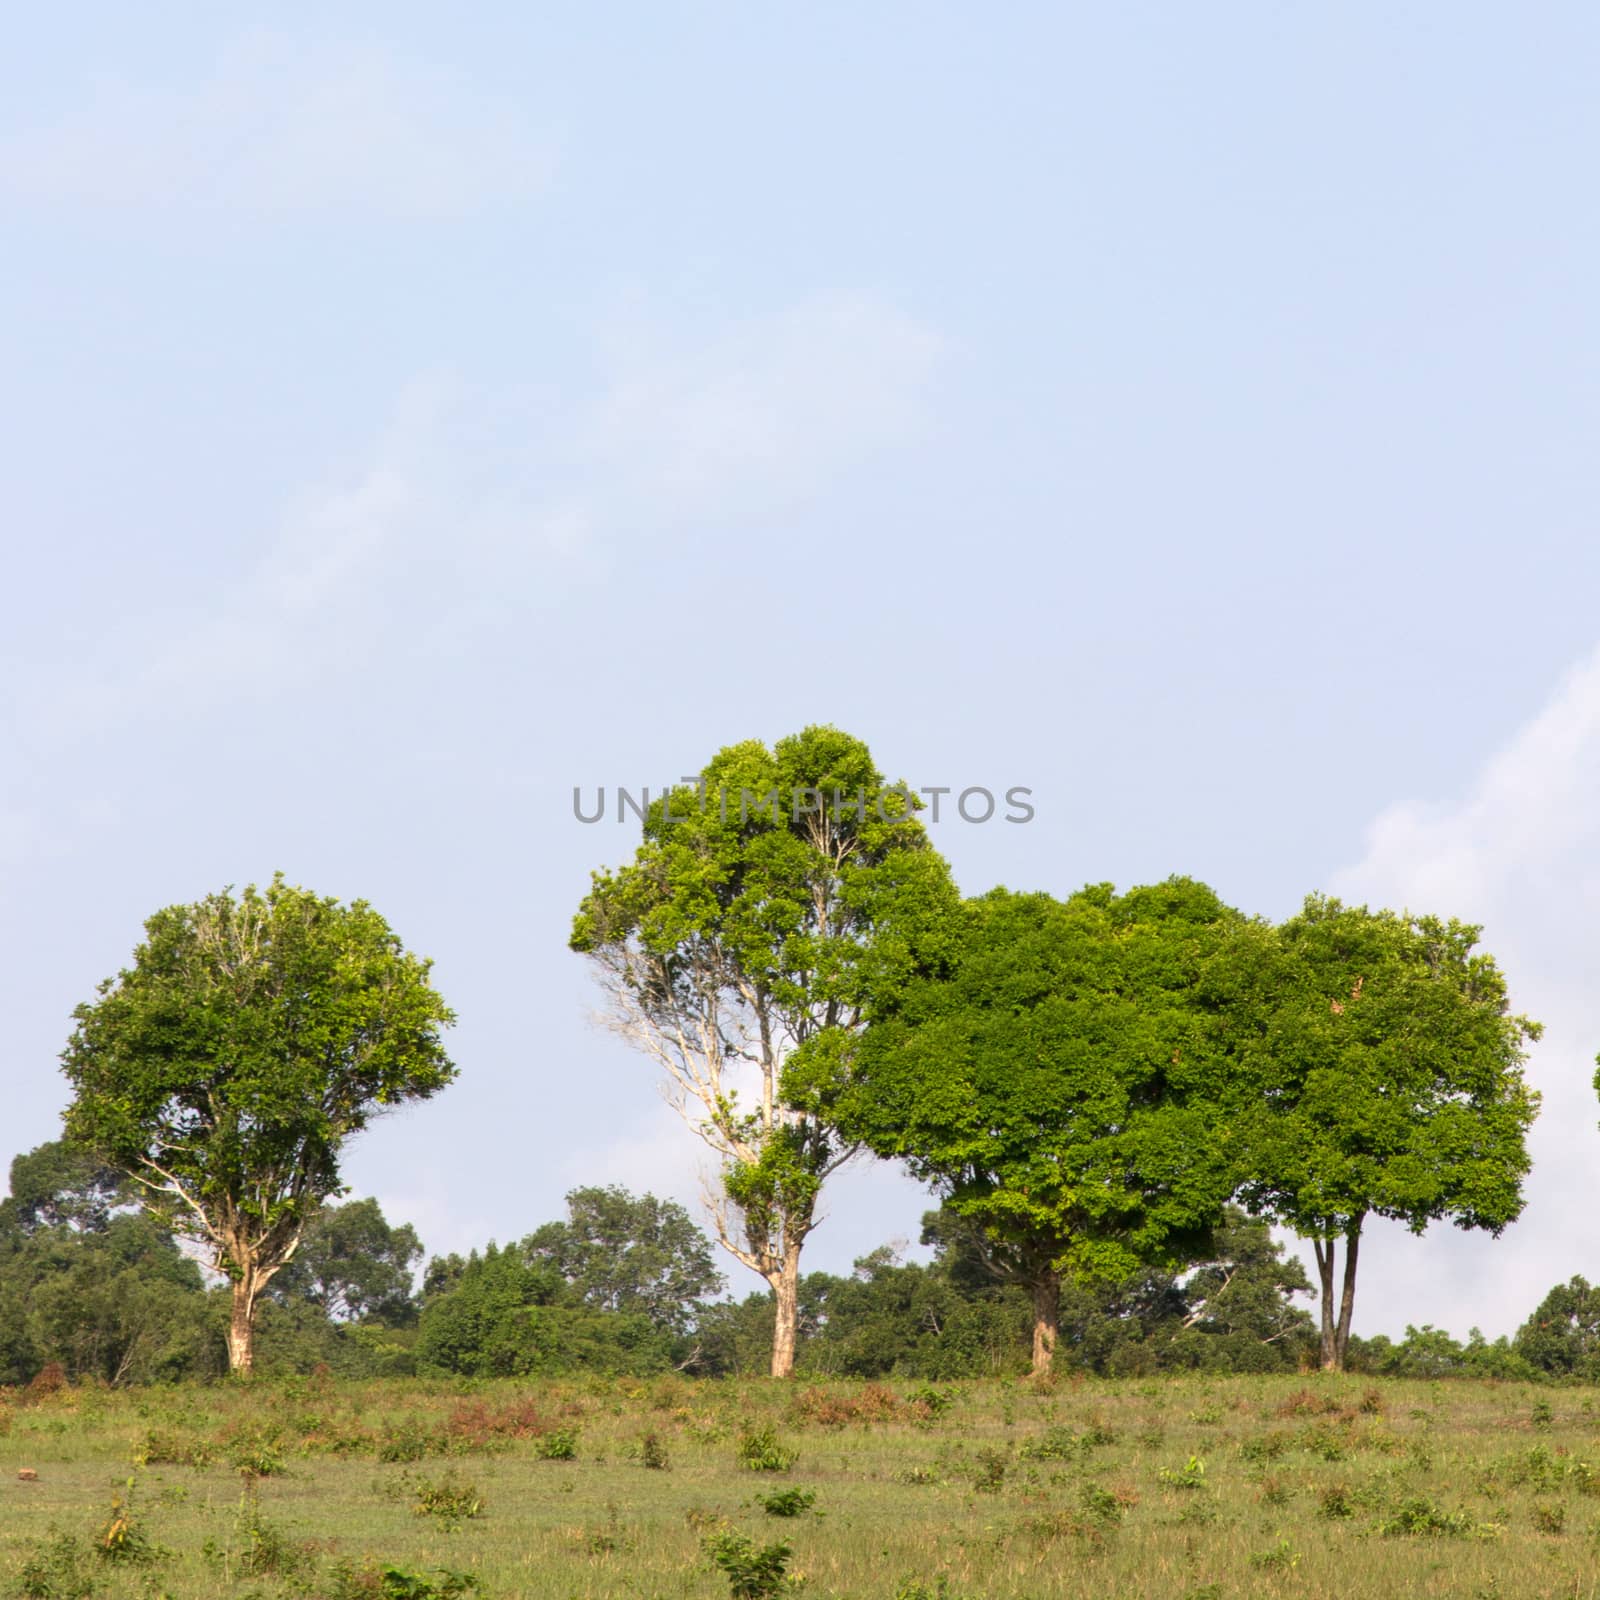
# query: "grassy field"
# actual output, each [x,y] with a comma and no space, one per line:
[1170,1488]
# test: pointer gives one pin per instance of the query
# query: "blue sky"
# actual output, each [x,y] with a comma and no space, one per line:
[1185,412]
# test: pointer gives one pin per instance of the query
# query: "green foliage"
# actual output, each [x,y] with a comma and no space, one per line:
[448,1499]
[226,1067]
[629,1254]
[754,1572]
[505,1316]
[59,1569]
[351,1264]
[123,1539]
[1417,1515]
[1282,1557]
[559,1444]
[760,1450]
[748,937]
[1191,1475]
[787,1502]
[88,1284]
[1383,1075]
[386,1581]
[1562,1337]
[1062,1086]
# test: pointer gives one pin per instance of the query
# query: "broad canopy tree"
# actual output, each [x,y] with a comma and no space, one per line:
[765,905]
[224,1070]
[1061,1085]
[352,1264]
[629,1253]
[1384,1068]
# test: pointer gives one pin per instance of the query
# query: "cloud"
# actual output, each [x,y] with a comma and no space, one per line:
[280,128]
[1519,853]
[472,504]
[771,407]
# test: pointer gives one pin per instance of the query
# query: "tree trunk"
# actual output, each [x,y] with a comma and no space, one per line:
[1323,1249]
[242,1325]
[1336,1328]
[1347,1302]
[1046,1319]
[786,1287]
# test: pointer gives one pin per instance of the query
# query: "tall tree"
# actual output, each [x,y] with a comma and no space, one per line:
[624,1252]
[225,1068]
[763,908]
[1061,1087]
[1563,1336]
[1385,1076]
[352,1264]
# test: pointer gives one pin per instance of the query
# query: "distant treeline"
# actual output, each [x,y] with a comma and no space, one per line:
[626,1284]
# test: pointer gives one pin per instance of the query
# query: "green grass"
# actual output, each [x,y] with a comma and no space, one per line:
[1163,1488]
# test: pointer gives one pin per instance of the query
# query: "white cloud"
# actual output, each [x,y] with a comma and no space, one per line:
[281,128]
[1520,853]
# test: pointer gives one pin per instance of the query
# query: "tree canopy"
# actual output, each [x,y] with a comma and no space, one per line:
[1385,1070]
[629,1253]
[224,1070]
[352,1264]
[1063,1086]
[763,908]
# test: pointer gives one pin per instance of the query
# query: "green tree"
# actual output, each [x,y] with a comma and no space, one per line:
[1248,1284]
[353,1265]
[90,1282]
[1384,1074]
[1562,1337]
[1062,1086]
[59,1184]
[766,904]
[225,1068]
[505,1316]
[627,1253]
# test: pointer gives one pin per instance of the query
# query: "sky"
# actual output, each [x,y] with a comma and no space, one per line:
[1187,413]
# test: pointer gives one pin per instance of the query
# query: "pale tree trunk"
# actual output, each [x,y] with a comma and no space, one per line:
[242,1325]
[1336,1325]
[785,1329]
[1046,1319]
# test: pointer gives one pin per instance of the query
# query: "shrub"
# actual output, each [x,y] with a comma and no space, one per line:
[1550,1518]
[1418,1516]
[1335,1502]
[409,1440]
[989,1475]
[172,1450]
[787,1502]
[653,1453]
[1191,1475]
[754,1572]
[559,1444]
[58,1570]
[373,1582]
[761,1451]
[1054,1444]
[450,1499]
[123,1538]
[1280,1558]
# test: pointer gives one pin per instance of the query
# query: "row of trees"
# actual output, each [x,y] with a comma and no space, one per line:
[625,1284]
[1089,1082]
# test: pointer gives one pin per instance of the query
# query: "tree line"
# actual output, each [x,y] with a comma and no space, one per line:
[1095,1087]
[94,1287]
